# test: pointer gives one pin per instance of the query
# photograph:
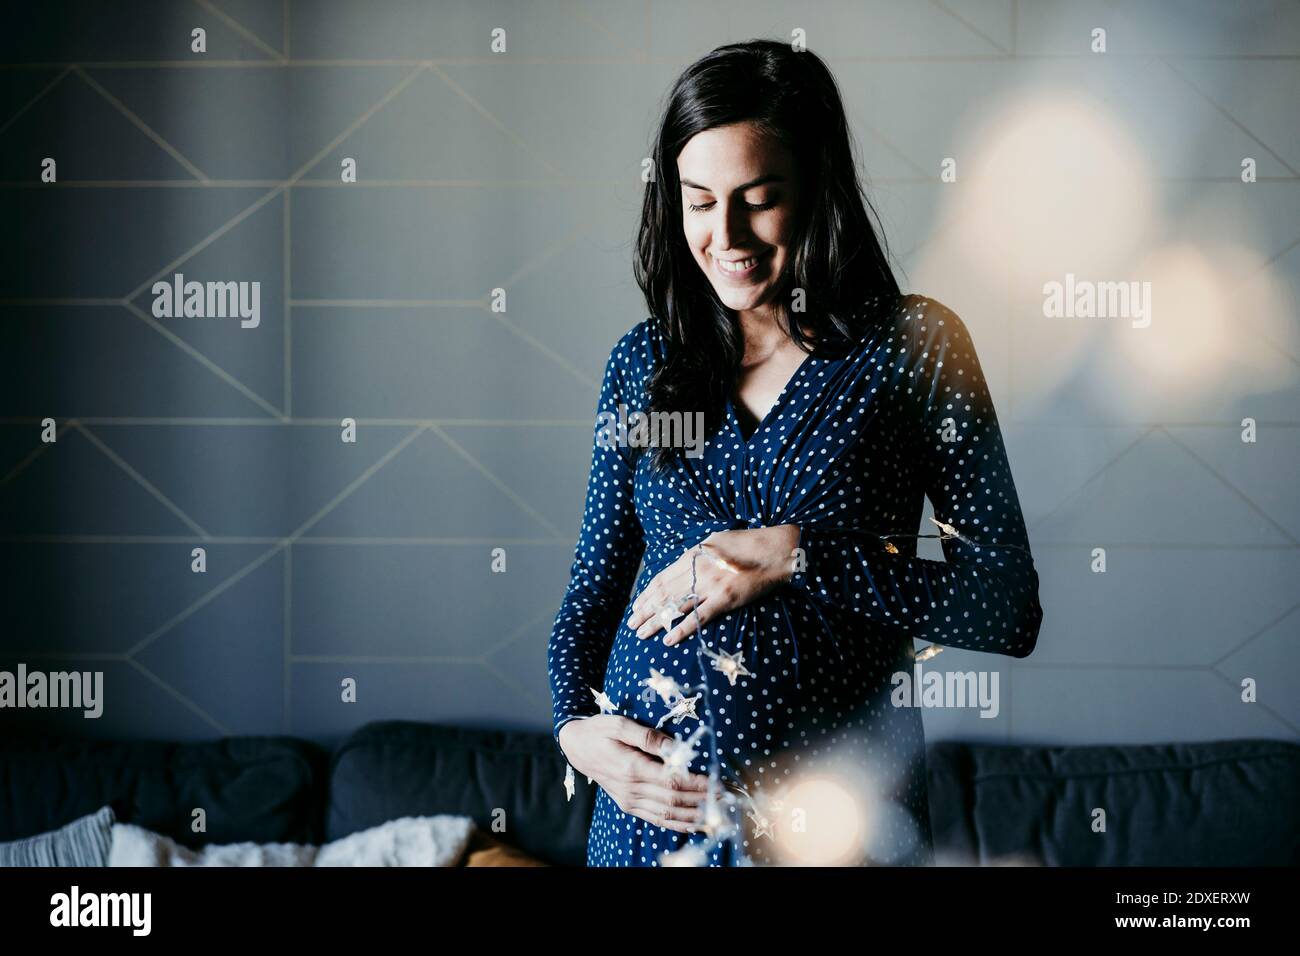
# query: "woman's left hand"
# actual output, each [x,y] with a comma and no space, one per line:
[756,561]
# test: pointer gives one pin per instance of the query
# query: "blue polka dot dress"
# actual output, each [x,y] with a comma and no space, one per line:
[848,451]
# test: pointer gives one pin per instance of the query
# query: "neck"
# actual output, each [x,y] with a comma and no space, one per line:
[764,331]
[762,328]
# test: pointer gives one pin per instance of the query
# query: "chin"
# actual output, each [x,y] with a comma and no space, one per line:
[741,300]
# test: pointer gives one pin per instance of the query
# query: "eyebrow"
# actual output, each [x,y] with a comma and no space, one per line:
[760,181]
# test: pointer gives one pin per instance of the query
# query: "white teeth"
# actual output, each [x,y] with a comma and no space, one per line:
[740,266]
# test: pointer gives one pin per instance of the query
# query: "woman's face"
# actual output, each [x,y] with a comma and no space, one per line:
[738,211]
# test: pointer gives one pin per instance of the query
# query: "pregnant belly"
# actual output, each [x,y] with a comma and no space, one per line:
[800,671]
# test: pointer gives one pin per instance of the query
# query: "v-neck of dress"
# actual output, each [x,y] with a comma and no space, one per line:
[776,405]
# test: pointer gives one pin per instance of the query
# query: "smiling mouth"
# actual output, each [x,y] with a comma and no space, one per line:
[739,268]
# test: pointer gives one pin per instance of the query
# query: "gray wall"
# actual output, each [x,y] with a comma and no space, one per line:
[521,171]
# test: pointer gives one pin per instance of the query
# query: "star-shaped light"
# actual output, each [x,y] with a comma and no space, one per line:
[669,690]
[928,652]
[602,701]
[680,710]
[762,825]
[679,753]
[763,809]
[569,785]
[730,665]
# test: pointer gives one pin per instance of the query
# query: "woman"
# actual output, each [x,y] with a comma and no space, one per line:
[833,404]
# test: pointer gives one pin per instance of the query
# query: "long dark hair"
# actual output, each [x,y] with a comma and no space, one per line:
[838,260]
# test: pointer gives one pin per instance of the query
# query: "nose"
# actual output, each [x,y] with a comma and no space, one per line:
[732,227]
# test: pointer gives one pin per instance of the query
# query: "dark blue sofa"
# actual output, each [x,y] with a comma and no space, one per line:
[1221,803]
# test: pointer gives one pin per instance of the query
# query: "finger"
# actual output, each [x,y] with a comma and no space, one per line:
[678,590]
[650,615]
[686,781]
[664,586]
[690,816]
[709,609]
[643,739]
[644,768]
[684,801]
[648,602]
[644,601]
[658,623]
[648,622]
[659,817]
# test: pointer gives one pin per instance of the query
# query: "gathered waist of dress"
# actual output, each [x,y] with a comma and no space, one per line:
[659,554]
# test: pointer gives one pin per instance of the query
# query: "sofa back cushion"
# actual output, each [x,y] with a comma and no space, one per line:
[260,789]
[393,769]
[1222,803]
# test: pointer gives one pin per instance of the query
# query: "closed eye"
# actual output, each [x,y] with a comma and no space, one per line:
[709,205]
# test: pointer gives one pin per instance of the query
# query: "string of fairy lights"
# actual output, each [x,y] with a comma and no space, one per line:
[726,799]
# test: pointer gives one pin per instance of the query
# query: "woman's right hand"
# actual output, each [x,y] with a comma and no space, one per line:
[624,758]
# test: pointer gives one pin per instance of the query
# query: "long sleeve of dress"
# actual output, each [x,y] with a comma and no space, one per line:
[608,553]
[984,595]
